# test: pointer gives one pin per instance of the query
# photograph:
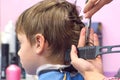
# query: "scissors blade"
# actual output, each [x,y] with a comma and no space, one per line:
[88,31]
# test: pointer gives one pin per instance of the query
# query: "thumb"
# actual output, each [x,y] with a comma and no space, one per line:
[76,62]
[73,53]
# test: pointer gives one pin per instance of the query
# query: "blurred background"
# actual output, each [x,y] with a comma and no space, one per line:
[108,16]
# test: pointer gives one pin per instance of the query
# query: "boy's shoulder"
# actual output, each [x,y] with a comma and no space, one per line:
[57,75]
[56,72]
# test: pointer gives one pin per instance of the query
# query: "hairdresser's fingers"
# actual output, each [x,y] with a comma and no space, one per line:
[81,42]
[73,53]
[99,4]
[93,10]
[76,62]
[89,5]
[96,40]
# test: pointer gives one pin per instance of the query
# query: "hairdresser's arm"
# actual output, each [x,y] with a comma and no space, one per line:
[92,6]
[90,69]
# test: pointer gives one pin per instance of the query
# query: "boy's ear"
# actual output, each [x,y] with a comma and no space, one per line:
[40,43]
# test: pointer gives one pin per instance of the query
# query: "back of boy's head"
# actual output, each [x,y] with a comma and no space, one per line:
[57,20]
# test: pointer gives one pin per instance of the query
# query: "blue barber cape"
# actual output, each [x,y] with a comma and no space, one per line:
[57,75]
[57,72]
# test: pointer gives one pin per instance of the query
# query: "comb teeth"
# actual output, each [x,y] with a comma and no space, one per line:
[88,52]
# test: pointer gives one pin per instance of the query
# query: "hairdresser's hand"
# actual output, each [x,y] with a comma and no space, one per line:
[92,6]
[90,69]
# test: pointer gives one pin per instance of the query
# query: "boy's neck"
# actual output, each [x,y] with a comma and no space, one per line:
[56,60]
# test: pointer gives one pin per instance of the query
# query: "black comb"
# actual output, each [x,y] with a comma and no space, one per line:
[91,52]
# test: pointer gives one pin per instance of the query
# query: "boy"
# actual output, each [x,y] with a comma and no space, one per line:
[45,32]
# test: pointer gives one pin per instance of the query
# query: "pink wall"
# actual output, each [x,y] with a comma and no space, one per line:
[11,9]
[109,16]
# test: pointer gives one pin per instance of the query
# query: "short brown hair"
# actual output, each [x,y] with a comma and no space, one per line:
[58,21]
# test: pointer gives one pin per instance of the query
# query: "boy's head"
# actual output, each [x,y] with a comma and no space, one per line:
[58,23]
